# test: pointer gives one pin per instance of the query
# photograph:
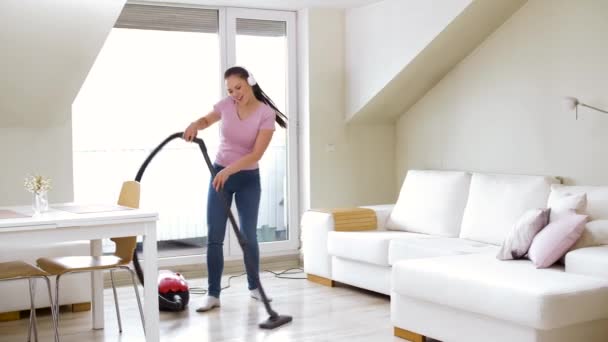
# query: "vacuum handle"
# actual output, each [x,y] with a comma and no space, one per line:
[142,168]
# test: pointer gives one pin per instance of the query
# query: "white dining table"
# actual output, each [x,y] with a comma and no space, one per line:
[58,225]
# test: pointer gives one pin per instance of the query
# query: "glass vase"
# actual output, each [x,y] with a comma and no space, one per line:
[41,202]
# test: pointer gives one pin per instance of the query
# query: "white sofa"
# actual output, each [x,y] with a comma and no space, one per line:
[434,253]
[75,289]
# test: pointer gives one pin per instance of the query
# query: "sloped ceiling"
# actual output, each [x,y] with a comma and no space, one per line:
[459,38]
[48,48]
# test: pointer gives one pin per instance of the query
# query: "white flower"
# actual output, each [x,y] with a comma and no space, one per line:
[37,184]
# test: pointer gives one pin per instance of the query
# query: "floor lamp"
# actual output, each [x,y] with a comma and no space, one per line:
[573,103]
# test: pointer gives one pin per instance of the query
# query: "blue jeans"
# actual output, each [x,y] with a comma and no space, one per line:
[245,187]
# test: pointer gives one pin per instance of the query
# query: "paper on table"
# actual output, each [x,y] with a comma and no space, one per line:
[9,214]
[94,208]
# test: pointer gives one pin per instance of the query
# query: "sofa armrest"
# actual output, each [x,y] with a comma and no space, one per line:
[383,211]
[591,261]
[351,219]
[317,223]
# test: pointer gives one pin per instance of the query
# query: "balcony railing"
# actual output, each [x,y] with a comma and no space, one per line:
[176,185]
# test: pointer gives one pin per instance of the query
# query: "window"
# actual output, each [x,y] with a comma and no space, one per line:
[264,42]
[161,68]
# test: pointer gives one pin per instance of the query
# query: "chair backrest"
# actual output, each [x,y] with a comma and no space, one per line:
[129,194]
[129,197]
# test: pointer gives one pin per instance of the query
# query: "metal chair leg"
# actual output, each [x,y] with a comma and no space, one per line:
[53,312]
[57,304]
[116,301]
[141,311]
[33,322]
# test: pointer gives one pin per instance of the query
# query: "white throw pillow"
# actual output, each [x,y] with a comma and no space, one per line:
[431,202]
[562,203]
[597,198]
[497,201]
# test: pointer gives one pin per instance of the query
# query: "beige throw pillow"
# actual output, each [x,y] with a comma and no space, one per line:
[520,237]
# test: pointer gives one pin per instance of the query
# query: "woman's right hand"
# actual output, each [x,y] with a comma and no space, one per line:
[190,132]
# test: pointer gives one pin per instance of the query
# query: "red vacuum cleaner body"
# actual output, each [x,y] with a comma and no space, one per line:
[173,287]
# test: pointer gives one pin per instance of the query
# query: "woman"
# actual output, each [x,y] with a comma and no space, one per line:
[248,118]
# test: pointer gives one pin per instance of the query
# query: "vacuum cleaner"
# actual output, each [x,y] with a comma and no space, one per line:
[173,289]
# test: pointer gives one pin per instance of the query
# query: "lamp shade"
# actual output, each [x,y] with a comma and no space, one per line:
[570,102]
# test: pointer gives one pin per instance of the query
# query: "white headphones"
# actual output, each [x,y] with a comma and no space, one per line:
[250,80]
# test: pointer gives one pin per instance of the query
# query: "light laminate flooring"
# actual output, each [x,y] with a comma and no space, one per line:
[319,314]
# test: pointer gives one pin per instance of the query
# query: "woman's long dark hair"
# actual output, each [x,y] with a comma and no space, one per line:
[259,94]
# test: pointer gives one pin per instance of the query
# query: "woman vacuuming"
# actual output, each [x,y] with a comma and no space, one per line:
[248,118]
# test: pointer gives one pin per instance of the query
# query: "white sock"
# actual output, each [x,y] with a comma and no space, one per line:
[209,303]
[255,294]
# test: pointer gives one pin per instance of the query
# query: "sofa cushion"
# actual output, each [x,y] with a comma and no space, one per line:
[496,202]
[431,202]
[595,234]
[416,248]
[597,198]
[592,261]
[512,290]
[368,246]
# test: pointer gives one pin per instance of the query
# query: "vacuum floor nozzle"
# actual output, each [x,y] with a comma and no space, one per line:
[275,322]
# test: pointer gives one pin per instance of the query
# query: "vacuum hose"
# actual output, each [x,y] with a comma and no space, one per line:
[275,320]
[176,304]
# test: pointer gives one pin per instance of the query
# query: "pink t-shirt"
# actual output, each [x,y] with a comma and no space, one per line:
[237,137]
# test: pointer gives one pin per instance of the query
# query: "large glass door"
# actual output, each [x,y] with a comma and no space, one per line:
[264,43]
[159,69]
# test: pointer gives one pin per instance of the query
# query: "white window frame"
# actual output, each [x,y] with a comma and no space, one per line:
[227,35]
[229,16]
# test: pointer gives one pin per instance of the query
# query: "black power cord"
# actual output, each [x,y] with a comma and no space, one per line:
[202,291]
[280,275]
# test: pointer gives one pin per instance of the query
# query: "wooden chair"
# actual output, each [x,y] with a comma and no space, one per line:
[15,270]
[122,257]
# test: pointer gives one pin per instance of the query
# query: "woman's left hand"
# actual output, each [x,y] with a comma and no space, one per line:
[221,178]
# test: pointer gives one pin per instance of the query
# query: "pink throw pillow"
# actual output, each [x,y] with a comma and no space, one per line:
[554,241]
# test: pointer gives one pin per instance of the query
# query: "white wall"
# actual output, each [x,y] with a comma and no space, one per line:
[500,109]
[46,151]
[382,38]
[48,47]
[359,170]
[304,180]
[348,165]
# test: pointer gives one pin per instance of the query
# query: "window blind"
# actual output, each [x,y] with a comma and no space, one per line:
[152,17]
[264,28]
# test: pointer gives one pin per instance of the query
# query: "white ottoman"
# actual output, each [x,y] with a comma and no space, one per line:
[477,298]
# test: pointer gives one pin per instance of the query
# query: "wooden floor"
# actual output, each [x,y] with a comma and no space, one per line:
[320,314]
